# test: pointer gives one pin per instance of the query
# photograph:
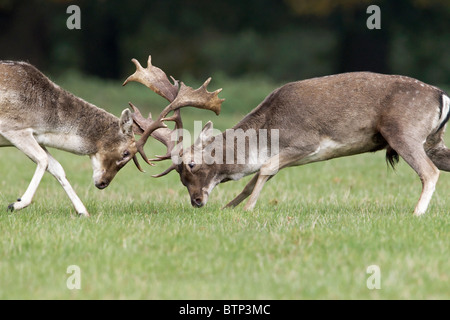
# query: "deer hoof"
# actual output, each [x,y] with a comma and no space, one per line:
[11,207]
[84,214]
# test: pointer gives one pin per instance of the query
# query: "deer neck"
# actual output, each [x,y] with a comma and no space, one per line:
[244,149]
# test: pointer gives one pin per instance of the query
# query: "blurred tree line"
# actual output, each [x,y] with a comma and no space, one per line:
[284,40]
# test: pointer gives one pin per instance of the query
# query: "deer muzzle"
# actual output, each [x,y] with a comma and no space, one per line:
[197,201]
[101,184]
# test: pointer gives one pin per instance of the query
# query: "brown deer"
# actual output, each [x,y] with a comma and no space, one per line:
[315,120]
[35,113]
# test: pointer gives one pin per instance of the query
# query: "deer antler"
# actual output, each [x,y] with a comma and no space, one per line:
[179,96]
[199,98]
[163,135]
[155,79]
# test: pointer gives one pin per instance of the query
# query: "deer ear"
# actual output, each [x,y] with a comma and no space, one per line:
[126,122]
[206,135]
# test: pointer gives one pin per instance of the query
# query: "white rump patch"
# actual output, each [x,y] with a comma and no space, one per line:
[445,109]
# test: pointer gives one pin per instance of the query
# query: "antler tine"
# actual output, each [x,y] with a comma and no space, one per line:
[155,79]
[200,98]
[136,162]
[173,166]
[175,118]
[138,120]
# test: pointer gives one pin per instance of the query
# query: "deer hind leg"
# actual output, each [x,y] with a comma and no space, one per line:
[25,142]
[414,154]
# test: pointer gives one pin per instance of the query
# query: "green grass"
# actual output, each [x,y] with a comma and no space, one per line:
[314,231]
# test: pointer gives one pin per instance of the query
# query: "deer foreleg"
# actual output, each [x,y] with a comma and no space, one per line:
[244,194]
[269,169]
[56,170]
[262,179]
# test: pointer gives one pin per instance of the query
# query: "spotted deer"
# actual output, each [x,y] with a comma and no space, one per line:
[35,113]
[320,119]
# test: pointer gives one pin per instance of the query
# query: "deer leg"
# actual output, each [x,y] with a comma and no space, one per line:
[244,194]
[268,170]
[428,174]
[25,142]
[262,179]
[429,180]
[414,154]
[56,170]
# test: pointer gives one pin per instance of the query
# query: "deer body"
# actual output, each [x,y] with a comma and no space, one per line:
[35,113]
[335,116]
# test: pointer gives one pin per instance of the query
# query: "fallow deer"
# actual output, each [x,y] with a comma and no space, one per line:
[35,114]
[320,119]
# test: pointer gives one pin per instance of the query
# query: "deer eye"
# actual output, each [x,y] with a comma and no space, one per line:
[125,154]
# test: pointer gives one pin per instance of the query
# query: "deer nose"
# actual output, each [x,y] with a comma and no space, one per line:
[197,202]
[102,184]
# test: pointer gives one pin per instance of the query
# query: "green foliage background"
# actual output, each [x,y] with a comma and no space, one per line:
[283,40]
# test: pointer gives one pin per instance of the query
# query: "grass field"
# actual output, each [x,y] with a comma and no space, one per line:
[315,230]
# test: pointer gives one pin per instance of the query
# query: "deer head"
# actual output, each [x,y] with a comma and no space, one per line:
[116,148]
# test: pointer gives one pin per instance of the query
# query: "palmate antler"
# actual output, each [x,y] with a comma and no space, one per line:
[179,95]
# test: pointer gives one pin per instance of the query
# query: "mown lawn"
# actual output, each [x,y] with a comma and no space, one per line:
[315,230]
